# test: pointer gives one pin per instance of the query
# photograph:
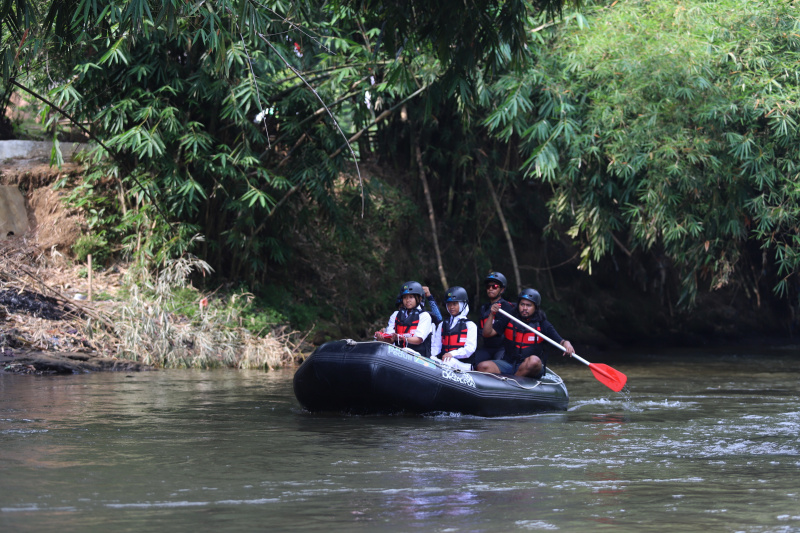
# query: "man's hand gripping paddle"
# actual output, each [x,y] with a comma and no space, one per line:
[613,379]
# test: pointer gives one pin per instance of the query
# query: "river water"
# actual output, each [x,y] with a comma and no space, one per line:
[700,441]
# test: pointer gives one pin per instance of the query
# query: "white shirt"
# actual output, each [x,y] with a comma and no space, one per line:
[423,327]
[472,337]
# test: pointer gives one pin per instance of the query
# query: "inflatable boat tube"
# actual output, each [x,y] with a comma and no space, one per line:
[375,377]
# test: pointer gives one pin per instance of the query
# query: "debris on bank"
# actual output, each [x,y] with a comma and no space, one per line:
[38,336]
[26,361]
[45,333]
[46,328]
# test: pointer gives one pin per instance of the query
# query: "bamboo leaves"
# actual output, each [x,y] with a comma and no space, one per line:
[673,127]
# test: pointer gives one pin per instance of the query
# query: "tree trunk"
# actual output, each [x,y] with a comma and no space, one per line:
[431,215]
[507,233]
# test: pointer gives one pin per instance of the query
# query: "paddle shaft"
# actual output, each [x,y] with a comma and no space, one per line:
[545,337]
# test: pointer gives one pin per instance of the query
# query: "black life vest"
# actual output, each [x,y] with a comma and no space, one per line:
[454,338]
[521,342]
[406,322]
[497,340]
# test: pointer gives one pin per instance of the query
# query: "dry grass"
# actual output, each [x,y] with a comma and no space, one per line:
[137,327]
[149,334]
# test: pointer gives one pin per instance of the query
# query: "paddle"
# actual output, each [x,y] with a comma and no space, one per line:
[613,379]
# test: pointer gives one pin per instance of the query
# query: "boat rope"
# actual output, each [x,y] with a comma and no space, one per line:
[556,379]
[510,380]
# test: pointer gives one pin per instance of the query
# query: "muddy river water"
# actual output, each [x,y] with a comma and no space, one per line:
[701,440]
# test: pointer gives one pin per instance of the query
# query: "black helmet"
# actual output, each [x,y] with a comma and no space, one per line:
[532,295]
[456,294]
[496,276]
[412,287]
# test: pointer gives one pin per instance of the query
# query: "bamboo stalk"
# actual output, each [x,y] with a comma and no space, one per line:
[89,264]
[431,215]
[506,231]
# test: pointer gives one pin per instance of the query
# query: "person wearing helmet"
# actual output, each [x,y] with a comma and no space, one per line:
[436,315]
[410,326]
[524,350]
[492,346]
[456,338]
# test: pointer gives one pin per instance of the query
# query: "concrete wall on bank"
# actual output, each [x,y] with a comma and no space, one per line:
[36,150]
[13,215]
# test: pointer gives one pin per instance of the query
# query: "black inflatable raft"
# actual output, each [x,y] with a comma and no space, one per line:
[375,377]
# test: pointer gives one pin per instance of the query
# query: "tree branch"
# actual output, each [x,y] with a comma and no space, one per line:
[115,155]
[299,75]
[379,118]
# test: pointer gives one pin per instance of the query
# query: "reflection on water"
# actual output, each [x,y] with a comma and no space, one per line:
[697,441]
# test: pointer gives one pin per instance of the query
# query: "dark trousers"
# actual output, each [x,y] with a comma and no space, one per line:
[484,354]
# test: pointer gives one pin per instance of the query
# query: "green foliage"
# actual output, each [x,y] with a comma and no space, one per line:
[83,272]
[174,92]
[673,129]
[206,114]
[94,244]
[240,309]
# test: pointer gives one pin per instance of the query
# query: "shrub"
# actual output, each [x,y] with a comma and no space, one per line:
[94,244]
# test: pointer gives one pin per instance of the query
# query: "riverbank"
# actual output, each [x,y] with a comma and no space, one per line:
[58,315]
[50,324]
[46,333]
[28,361]
[329,289]
[44,329]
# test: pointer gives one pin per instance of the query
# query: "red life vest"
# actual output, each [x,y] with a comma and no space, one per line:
[454,338]
[522,343]
[407,322]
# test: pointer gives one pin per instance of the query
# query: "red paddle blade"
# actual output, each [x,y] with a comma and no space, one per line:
[613,379]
